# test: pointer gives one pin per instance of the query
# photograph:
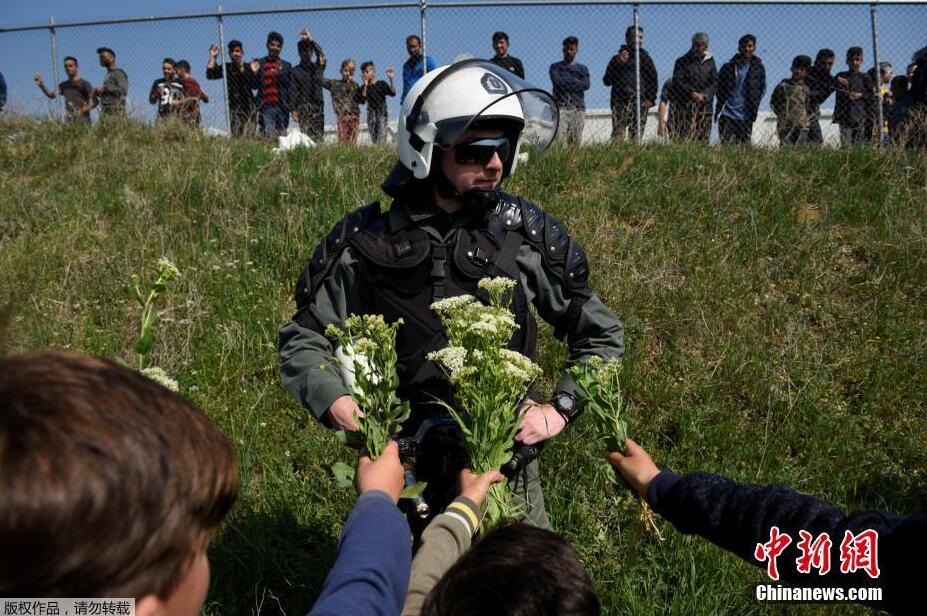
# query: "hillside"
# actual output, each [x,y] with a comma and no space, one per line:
[775,305]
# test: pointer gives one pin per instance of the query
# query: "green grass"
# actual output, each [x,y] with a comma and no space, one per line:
[775,304]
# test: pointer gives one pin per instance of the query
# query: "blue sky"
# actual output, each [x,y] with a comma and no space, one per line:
[783,31]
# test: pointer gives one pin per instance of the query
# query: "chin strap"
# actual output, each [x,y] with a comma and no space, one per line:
[482,198]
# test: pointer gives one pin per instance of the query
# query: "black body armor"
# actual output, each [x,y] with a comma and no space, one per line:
[409,270]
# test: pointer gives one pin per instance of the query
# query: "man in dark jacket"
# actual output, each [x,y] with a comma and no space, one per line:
[500,44]
[855,103]
[274,79]
[445,205]
[695,81]
[918,77]
[822,85]
[621,75]
[741,85]
[241,82]
[917,95]
[306,100]
[795,536]
[570,80]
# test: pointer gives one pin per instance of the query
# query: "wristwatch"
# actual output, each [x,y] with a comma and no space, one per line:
[565,404]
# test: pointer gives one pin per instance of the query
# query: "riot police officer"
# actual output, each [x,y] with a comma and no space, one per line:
[460,133]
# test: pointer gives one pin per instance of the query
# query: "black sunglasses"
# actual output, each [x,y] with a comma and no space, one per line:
[480,151]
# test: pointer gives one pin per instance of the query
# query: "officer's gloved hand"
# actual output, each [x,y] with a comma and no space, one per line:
[341,413]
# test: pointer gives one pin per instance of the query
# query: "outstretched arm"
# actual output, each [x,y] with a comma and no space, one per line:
[371,571]
[447,537]
[738,517]
[41,84]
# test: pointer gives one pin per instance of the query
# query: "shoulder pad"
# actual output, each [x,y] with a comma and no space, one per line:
[509,211]
[565,257]
[328,251]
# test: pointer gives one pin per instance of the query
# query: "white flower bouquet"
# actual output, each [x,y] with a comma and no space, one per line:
[489,380]
[367,356]
[598,389]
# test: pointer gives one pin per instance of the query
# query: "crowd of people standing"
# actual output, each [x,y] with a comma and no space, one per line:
[697,94]
[265,94]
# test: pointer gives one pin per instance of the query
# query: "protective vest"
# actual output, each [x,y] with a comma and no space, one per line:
[409,269]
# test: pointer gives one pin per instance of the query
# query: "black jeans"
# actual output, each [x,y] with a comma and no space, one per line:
[689,122]
[312,121]
[624,120]
[242,120]
[793,136]
[815,135]
[734,131]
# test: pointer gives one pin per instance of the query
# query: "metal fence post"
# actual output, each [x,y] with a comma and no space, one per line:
[637,74]
[225,70]
[423,9]
[54,59]
[878,73]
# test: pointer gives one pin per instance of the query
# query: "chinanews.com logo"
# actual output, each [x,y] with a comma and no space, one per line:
[859,553]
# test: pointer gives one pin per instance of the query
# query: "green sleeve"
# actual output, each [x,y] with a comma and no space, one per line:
[595,331]
[306,355]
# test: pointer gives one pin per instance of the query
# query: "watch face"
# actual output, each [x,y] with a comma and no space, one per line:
[565,403]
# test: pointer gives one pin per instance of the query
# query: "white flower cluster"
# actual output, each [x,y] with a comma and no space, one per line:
[518,367]
[453,357]
[159,376]
[450,304]
[497,285]
[167,270]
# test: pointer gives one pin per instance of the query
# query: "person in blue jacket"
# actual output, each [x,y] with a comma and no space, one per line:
[370,576]
[414,67]
[741,85]
[371,571]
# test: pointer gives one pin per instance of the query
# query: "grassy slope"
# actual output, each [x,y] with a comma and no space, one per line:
[775,303]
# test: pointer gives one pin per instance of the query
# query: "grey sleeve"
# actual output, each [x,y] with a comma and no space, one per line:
[444,541]
[306,355]
[118,85]
[594,331]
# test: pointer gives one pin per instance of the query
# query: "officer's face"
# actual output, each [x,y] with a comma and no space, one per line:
[473,175]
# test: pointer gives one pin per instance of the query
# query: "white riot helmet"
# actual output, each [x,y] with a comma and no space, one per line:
[447,101]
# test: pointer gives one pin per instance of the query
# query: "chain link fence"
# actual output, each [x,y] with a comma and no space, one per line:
[886,31]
